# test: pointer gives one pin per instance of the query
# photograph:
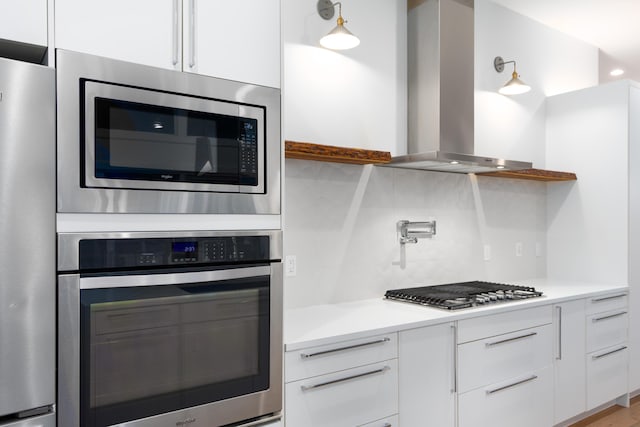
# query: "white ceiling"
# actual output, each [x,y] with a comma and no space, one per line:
[611,25]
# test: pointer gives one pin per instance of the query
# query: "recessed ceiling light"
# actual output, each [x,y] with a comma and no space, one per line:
[454,162]
[617,72]
[499,167]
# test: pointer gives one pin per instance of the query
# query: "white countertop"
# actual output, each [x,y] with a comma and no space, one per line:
[323,324]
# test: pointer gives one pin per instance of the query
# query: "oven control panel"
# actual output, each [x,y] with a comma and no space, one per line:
[167,252]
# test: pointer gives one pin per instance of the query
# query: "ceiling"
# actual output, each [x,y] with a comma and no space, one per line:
[611,25]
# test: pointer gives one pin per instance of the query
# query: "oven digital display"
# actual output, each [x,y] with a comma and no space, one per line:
[184,251]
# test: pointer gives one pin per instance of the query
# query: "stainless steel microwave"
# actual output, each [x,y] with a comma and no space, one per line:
[138,139]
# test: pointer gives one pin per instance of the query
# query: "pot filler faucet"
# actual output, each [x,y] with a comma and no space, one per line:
[410,232]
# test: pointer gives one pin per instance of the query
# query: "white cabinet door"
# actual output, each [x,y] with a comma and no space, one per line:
[348,398]
[236,40]
[524,401]
[24,21]
[143,31]
[607,375]
[427,376]
[501,357]
[569,364]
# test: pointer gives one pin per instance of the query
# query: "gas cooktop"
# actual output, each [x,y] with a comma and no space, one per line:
[454,296]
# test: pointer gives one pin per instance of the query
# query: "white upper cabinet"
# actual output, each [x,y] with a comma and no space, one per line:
[237,40]
[24,21]
[141,31]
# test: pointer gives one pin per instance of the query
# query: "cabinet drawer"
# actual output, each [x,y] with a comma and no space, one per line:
[607,376]
[523,401]
[348,398]
[502,323]
[387,422]
[606,329]
[506,356]
[313,361]
[608,302]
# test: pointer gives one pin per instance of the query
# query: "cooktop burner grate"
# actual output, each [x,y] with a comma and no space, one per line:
[455,296]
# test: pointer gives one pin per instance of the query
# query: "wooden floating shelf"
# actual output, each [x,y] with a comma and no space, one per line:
[329,153]
[534,175]
[359,156]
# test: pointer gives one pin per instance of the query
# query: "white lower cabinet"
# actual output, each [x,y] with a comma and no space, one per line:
[427,376]
[607,356]
[607,376]
[505,370]
[522,401]
[331,386]
[569,363]
[532,367]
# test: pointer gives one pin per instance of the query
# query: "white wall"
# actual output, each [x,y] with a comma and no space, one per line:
[587,133]
[547,60]
[353,98]
[341,225]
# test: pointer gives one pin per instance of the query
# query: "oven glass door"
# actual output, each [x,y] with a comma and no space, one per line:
[148,348]
[143,139]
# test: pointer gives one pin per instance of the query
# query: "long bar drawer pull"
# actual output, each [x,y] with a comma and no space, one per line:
[489,344]
[597,319]
[364,344]
[340,380]
[608,298]
[609,353]
[531,378]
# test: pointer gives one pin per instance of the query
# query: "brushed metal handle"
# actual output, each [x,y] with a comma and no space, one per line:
[192,32]
[495,390]
[559,310]
[341,380]
[608,298]
[176,35]
[454,385]
[350,347]
[387,425]
[490,344]
[609,353]
[611,316]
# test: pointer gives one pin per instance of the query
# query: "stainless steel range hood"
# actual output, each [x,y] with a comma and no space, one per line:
[441,90]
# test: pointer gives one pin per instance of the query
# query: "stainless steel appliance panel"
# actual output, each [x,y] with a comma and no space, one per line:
[73,197]
[48,420]
[27,230]
[265,403]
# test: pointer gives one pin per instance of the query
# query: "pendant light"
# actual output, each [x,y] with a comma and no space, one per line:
[339,38]
[515,86]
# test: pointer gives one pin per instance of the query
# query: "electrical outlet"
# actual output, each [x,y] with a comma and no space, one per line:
[290,266]
[519,249]
[487,252]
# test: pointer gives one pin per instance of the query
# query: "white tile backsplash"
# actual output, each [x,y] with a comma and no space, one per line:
[340,223]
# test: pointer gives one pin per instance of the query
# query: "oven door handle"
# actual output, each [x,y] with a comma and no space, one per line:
[97,282]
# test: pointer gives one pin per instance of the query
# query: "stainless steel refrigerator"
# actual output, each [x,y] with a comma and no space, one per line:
[27,245]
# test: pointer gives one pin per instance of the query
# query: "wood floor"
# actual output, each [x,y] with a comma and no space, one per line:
[616,416]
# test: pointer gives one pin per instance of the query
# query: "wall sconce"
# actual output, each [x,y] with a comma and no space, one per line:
[515,86]
[339,38]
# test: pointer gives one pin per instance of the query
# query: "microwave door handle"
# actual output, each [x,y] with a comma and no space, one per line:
[97,282]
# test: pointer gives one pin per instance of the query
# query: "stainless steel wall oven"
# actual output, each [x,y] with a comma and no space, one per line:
[138,139]
[169,329]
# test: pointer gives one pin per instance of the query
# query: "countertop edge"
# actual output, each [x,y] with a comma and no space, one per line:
[428,317]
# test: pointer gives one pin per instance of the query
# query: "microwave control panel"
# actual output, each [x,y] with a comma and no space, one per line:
[248,152]
[169,252]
